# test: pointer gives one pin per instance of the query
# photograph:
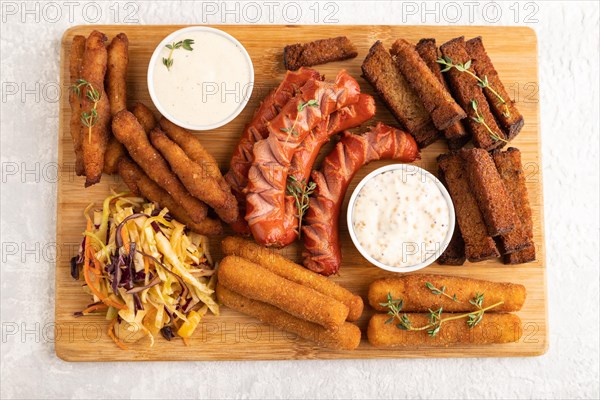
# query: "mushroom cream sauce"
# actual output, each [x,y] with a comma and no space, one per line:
[401,218]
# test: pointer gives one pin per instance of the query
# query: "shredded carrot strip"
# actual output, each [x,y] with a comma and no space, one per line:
[111,334]
[125,237]
[95,307]
[94,289]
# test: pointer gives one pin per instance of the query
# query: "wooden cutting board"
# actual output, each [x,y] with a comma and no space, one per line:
[233,336]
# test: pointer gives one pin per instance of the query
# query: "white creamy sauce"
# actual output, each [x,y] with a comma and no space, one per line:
[401,218]
[206,85]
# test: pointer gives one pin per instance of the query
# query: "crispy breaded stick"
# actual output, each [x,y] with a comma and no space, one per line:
[201,186]
[466,91]
[417,297]
[95,135]
[344,337]
[510,169]
[456,133]
[258,283]
[145,116]
[128,131]
[195,151]
[493,329]
[318,52]
[494,201]
[479,245]
[437,100]
[75,57]
[140,184]
[289,270]
[404,104]
[509,118]
[116,90]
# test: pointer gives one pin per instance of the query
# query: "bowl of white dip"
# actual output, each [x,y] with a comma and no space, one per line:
[400,218]
[200,78]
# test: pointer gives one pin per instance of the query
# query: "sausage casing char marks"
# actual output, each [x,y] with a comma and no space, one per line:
[322,252]
[75,57]
[266,190]
[255,130]
[95,135]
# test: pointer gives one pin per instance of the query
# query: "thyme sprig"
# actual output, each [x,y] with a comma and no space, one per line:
[301,191]
[185,44]
[482,83]
[436,320]
[88,119]
[441,291]
[480,120]
[292,130]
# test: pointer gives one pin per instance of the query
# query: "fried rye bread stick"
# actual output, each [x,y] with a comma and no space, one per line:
[479,245]
[258,283]
[289,270]
[344,337]
[493,329]
[494,201]
[140,184]
[75,57]
[379,70]
[456,133]
[455,252]
[466,91]
[318,52]
[510,169]
[509,118]
[195,151]
[128,131]
[436,99]
[95,135]
[144,116]
[417,297]
[193,177]
[116,90]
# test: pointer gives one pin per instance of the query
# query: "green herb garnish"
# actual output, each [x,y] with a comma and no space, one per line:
[185,44]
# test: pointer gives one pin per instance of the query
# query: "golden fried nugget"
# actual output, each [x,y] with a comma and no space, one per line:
[193,177]
[128,131]
[140,184]
[95,107]
[145,116]
[258,283]
[418,297]
[75,57]
[344,337]
[195,151]
[114,151]
[493,328]
[287,269]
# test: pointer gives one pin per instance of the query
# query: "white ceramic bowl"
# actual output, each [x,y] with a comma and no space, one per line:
[157,55]
[408,168]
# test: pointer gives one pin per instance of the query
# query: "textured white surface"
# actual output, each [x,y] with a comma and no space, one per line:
[568,51]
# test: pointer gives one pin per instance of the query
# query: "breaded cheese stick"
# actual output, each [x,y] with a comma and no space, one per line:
[479,245]
[128,131]
[436,99]
[195,151]
[417,297]
[287,269]
[493,329]
[75,57]
[201,186]
[494,201]
[145,116]
[258,283]
[140,184]
[95,107]
[344,337]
